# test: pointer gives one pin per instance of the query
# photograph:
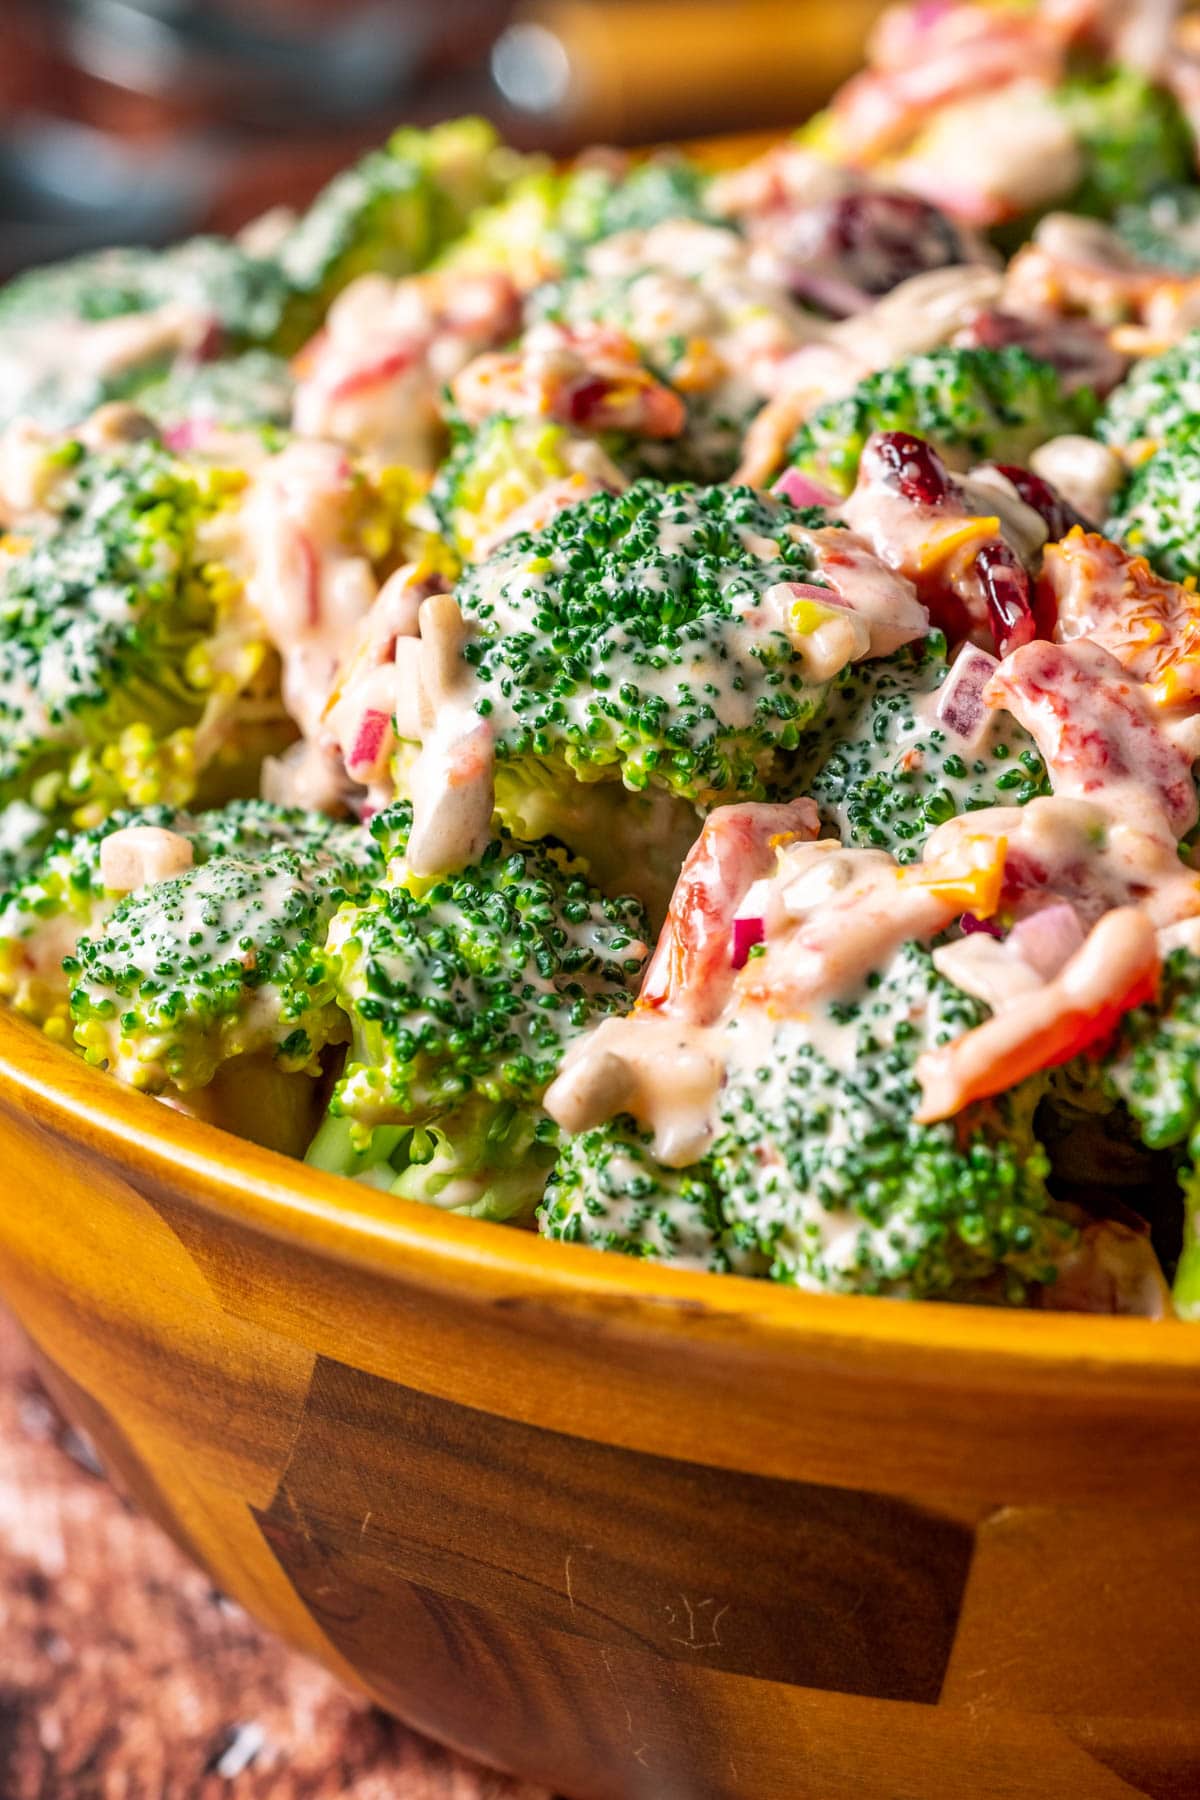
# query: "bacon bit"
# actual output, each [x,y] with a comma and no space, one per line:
[374,374]
[691,971]
[311,578]
[1095,729]
[372,745]
[1116,969]
[590,376]
[1150,625]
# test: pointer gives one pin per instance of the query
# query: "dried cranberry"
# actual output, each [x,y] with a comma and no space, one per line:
[1005,584]
[1059,516]
[869,241]
[908,464]
[584,402]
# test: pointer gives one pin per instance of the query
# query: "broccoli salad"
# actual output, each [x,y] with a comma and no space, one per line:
[651,706]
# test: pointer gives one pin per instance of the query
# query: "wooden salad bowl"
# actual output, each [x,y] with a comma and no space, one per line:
[627,1531]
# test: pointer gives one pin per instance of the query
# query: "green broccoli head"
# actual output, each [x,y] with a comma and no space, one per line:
[393,211]
[817,1156]
[599,200]
[1156,512]
[463,997]
[819,1175]
[972,405]
[1133,136]
[495,470]
[222,961]
[116,635]
[49,905]
[1154,1070]
[1163,231]
[243,294]
[608,1191]
[548,217]
[885,774]
[628,640]
[62,896]
[243,297]
[251,390]
[1155,1066]
[1159,400]
[25,835]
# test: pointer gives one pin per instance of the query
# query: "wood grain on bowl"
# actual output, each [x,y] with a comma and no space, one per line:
[124,1672]
[625,1531]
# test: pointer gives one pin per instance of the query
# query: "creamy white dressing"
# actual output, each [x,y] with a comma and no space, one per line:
[309,590]
[1086,473]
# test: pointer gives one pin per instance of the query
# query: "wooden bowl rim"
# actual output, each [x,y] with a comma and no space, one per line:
[486,1263]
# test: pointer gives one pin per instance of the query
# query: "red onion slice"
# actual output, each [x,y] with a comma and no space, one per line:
[1049,938]
[749,922]
[961,707]
[802,490]
[970,922]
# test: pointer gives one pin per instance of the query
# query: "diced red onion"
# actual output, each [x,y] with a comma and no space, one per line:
[961,707]
[187,435]
[749,923]
[969,922]
[1049,938]
[811,590]
[802,490]
[746,934]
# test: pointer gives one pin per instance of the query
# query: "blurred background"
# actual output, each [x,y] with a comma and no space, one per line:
[141,120]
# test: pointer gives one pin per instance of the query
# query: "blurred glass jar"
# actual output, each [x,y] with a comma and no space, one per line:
[278,65]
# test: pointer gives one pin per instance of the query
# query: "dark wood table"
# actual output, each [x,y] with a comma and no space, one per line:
[124,1676]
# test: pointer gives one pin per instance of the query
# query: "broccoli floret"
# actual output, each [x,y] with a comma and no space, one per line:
[817,1156]
[62,897]
[25,835]
[608,1191]
[616,643]
[597,202]
[493,471]
[393,211]
[1154,1069]
[1157,409]
[1133,136]
[47,907]
[549,217]
[462,997]
[885,774]
[1164,231]
[253,389]
[222,961]
[244,296]
[1156,513]
[818,1174]
[1159,399]
[973,405]
[108,624]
